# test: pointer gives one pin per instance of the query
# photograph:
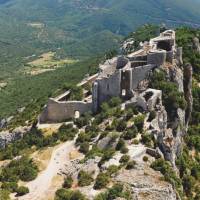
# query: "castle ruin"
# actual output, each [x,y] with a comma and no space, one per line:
[121,76]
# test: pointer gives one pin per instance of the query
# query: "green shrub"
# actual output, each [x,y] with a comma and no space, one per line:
[102,181]
[112,169]
[188,184]
[117,190]
[23,169]
[124,150]
[169,174]
[124,159]
[9,186]
[103,135]
[81,121]
[29,174]
[68,181]
[84,147]
[95,151]
[129,114]
[66,132]
[135,141]
[115,101]
[22,191]
[131,165]
[4,194]
[145,158]
[139,122]
[92,128]
[84,179]
[106,156]
[130,133]
[172,98]
[120,144]
[82,137]
[76,92]
[133,109]
[63,194]
[197,196]
[147,139]
[195,172]
[121,125]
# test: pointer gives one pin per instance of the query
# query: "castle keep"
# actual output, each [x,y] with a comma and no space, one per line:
[122,76]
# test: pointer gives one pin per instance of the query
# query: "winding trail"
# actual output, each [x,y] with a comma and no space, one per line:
[39,187]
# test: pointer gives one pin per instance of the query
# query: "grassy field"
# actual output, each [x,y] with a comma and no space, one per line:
[46,62]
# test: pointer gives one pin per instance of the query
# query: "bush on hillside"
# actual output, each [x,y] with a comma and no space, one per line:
[84,179]
[84,147]
[22,191]
[102,181]
[124,159]
[64,194]
[68,181]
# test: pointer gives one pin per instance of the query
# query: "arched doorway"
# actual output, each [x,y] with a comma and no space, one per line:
[76,114]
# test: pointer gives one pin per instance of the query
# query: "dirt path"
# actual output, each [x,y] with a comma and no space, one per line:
[39,187]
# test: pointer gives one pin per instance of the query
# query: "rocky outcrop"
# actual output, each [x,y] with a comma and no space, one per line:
[146,184]
[7,137]
[5,122]
[2,123]
[188,71]
[196,44]
[108,141]
[169,128]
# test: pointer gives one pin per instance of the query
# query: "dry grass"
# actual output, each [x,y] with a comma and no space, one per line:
[74,155]
[46,57]
[49,129]
[56,184]
[46,62]
[42,157]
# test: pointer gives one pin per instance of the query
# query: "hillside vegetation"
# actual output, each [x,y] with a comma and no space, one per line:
[72,30]
[122,127]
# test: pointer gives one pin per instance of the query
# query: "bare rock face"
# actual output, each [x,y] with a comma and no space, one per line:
[7,137]
[108,141]
[2,123]
[188,71]
[196,44]
[173,127]
[146,184]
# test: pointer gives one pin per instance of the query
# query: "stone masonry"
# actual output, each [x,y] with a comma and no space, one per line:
[120,76]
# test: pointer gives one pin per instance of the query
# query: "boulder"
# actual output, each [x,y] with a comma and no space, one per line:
[109,141]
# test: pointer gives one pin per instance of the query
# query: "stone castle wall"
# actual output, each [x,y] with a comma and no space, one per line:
[61,111]
[118,77]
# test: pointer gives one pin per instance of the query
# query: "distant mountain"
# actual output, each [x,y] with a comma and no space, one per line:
[80,28]
[73,28]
